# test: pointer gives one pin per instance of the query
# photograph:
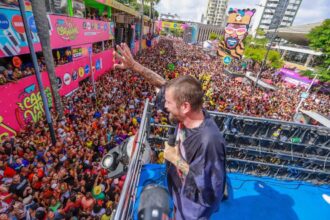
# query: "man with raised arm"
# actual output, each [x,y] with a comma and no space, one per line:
[196,175]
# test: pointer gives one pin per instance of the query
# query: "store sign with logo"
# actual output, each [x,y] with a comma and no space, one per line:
[67,29]
[67,79]
[77,52]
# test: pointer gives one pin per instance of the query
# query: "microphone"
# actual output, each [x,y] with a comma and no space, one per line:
[171,136]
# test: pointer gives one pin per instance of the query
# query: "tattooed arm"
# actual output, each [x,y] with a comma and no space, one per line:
[172,155]
[127,62]
[183,166]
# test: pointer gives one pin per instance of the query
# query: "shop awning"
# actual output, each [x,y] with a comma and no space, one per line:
[119,6]
[317,117]
[260,82]
[296,34]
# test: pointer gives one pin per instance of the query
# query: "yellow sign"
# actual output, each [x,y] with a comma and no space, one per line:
[171,25]
[7,131]
[81,72]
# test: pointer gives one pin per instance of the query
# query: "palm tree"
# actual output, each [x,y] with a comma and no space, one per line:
[151,11]
[41,20]
[152,3]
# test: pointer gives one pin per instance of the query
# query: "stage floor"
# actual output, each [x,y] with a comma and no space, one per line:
[257,198]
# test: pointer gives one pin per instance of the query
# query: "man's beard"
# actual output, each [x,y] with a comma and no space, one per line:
[173,119]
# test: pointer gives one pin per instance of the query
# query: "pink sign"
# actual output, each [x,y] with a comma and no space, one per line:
[70,74]
[68,31]
[294,77]
[22,102]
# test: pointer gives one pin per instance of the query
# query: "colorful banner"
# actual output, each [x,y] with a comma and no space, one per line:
[12,33]
[75,31]
[80,51]
[64,31]
[21,103]
[293,77]
[235,31]
[172,25]
[69,75]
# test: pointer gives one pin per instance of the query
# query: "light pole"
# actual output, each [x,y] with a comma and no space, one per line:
[90,52]
[303,98]
[270,44]
[37,71]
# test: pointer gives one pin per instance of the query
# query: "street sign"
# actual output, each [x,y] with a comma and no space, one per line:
[304,95]
[227,60]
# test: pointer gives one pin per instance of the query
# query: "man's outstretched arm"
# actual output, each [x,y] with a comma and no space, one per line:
[127,61]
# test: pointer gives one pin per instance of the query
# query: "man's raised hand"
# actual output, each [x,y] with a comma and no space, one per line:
[124,55]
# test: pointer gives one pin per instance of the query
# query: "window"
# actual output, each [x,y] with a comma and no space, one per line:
[78,8]
[58,6]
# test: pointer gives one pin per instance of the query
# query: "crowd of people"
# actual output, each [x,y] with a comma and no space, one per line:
[225,93]
[66,181]
[10,73]
[93,14]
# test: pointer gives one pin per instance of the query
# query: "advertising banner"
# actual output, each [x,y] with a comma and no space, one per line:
[12,33]
[21,103]
[64,31]
[70,74]
[15,4]
[172,25]
[293,77]
[80,51]
[70,31]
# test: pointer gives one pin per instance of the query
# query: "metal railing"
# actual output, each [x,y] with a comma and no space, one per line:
[124,210]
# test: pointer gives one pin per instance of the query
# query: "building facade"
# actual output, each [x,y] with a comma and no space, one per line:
[273,13]
[216,12]
[204,31]
[82,36]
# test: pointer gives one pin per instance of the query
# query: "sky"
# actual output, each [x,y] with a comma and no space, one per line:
[310,11]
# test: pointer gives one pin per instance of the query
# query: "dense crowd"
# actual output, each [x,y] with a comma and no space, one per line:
[93,13]
[65,181]
[226,93]
[10,73]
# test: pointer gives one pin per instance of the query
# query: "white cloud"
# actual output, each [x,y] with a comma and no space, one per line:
[190,10]
[313,11]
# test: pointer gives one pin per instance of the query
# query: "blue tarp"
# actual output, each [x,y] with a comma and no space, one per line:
[258,198]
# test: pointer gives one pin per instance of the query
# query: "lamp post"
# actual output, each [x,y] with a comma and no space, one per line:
[270,43]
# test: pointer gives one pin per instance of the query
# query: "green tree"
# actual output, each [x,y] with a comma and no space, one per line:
[215,36]
[146,8]
[152,10]
[255,49]
[319,39]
